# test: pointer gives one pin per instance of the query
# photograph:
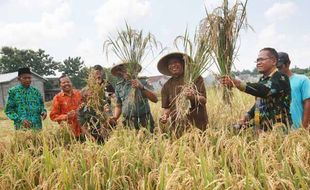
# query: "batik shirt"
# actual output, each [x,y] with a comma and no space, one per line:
[64,103]
[273,97]
[25,104]
[134,103]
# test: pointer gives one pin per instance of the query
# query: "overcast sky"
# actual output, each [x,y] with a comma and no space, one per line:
[66,28]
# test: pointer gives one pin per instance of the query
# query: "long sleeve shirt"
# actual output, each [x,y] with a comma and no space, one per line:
[134,103]
[273,97]
[25,104]
[64,103]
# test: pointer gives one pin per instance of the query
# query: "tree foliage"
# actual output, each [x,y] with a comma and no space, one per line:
[76,70]
[11,59]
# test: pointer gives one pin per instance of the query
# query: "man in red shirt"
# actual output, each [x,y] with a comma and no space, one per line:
[65,105]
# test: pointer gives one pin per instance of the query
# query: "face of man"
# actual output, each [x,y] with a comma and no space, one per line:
[122,72]
[25,79]
[98,76]
[265,63]
[175,67]
[65,84]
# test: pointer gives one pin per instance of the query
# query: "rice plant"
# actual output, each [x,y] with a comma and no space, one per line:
[196,61]
[95,100]
[215,159]
[131,47]
[221,29]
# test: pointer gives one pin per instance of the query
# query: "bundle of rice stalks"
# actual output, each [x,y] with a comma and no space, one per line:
[97,102]
[131,47]
[221,29]
[195,64]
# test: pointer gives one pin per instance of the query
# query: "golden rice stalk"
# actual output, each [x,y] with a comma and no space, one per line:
[96,100]
[131,47]
[221,29]
[199,61]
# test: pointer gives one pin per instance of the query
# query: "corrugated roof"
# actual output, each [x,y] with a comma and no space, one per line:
[7,77]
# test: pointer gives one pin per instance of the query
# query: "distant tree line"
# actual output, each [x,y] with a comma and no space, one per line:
[43,64]
[296,69]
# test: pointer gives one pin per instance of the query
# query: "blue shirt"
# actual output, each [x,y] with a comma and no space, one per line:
[300,86]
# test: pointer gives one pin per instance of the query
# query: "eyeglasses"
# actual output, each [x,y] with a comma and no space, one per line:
[261,59]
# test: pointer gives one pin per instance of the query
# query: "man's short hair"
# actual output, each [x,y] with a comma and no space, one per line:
[64,75]
[272,52]
[98,68]
[24,70]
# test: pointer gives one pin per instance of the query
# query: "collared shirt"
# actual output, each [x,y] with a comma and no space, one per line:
[25,104]
[198,112]
[64,103]
[134,103]
[273,97]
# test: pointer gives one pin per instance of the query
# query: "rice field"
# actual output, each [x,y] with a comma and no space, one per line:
[219,158]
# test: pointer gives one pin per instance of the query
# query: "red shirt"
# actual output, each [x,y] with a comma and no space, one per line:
[64,103]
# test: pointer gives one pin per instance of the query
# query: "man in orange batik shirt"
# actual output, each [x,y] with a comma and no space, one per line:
[66,104]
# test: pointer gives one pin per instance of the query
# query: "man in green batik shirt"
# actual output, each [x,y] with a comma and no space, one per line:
[133,104]
[272,93]
[25,104]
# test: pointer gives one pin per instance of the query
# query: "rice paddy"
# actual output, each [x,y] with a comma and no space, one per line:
[219,158]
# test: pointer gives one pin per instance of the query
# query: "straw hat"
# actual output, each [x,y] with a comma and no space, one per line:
[120,66]
[162,65]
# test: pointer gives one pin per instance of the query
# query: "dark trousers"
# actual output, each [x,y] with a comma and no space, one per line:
[145,120]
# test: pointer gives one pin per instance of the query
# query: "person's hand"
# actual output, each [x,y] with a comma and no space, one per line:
[26,124]
[190,94]
[106,108]
[245,120]
[43,115]
[164,118]
[112,121]
[226,81]
[71,114]
[136,84]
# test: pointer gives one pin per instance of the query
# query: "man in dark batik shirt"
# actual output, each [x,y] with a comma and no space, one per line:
[272,92]
[94,123]
[25,104]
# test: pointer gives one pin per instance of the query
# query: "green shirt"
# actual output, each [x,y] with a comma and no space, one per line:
[133,102]
[273,97]
[25,104]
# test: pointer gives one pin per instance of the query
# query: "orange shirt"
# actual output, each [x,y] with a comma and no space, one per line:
[64,103]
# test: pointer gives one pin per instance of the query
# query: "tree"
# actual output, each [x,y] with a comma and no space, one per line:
[76,70]
[12,59]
